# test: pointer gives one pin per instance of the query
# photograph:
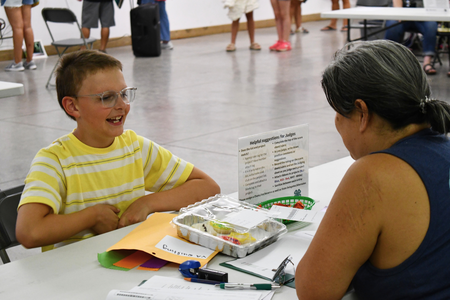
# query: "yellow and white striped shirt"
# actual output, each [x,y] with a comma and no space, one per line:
[70,176]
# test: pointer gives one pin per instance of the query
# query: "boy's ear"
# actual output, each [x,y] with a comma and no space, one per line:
[70,106]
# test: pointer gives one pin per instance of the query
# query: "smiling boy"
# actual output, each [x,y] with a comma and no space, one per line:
[94,179]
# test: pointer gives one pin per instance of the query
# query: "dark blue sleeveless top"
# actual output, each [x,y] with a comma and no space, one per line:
[426,273]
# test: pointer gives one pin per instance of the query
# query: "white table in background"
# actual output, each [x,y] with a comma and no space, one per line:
[73,272]
[387,13]
[9,89]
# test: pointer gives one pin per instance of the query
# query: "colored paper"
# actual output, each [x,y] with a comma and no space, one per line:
[147,235]
[133,260]
[154,263]
[108,259]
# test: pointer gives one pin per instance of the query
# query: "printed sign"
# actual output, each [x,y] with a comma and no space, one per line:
[273,164]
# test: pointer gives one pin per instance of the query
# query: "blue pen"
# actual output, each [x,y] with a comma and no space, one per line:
[202,280]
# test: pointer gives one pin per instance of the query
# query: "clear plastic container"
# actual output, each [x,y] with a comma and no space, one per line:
[203,223]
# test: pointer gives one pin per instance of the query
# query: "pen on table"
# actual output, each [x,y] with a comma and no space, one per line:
[248,286]
[202,280]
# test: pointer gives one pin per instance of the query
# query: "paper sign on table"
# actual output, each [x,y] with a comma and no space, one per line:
[273,164]
[147,235]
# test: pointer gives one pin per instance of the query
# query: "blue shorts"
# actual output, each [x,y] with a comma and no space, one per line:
[16,3]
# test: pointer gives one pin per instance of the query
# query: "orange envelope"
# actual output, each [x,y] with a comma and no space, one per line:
[146,236]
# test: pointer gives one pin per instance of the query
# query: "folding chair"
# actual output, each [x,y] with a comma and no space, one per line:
[9,200]
[64,15]
[368,28]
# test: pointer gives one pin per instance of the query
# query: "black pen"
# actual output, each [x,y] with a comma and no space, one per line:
[248,286]
[202,280]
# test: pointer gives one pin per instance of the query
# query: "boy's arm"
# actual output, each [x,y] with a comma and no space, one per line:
[197,187]
[38,226]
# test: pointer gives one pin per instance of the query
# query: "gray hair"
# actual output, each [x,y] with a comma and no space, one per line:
[390,80]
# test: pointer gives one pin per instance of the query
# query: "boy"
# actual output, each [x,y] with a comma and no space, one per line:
[93,180]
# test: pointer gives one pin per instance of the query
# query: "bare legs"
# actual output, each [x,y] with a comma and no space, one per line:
[335,6]
[296,13]
[281,10]
[251,33]
[20,20]
[104,37]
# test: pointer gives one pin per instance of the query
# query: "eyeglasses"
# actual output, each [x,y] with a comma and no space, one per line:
[280,276]
[109,98]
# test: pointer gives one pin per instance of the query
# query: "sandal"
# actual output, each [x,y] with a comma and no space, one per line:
[344,28]
[328,28]
[231,48]
[430,70]
[255,46]
[300,29]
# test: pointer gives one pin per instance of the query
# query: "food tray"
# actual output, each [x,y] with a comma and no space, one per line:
[307,202]
[207,216]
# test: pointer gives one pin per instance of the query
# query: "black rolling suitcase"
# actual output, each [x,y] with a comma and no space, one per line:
[145,30]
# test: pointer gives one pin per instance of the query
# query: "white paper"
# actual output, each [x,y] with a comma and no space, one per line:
[273,164]
[264,261]
[295,214]
[163,288]
[245,218]
[436,5]
[307,234]
[178,247]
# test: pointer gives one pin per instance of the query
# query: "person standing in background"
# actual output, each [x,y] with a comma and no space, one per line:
[94,10]
[281,9]
[333,22]
[296,14]
[19,16]
[164,22]
[236,8]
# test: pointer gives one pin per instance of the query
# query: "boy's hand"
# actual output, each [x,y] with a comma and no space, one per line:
[135,213]
[106,218]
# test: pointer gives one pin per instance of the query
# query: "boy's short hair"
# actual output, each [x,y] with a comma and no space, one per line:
[75,67]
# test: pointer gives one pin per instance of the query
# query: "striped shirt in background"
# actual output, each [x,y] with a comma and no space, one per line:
[70,176]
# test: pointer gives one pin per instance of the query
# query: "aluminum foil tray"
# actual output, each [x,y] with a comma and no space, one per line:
[210,231]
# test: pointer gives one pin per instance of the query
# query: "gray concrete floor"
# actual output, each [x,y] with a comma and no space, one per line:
[196,100]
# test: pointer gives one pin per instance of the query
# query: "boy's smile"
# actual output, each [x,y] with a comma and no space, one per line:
[97,125]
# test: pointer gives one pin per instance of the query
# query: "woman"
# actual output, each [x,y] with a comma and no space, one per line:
[19,16]
[281,9]
[386,230]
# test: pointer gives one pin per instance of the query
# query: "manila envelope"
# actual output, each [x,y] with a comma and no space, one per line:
[149,233]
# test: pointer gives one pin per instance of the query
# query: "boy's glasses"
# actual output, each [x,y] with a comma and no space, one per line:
[109,98]
[280,273]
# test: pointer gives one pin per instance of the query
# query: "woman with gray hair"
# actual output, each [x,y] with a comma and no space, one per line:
[386,231]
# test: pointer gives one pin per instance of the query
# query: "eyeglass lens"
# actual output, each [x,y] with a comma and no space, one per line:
[109,98]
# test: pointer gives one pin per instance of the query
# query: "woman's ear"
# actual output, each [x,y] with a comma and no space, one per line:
[364,115]
[70,106]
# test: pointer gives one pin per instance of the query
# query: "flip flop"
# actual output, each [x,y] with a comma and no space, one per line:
[231,48]
[344,28]
[255,46]
[430,70]
[328,28]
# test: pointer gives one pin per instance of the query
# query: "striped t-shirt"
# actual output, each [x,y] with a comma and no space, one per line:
[70,176]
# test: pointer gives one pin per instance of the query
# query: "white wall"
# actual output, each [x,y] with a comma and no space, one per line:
[183,14]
